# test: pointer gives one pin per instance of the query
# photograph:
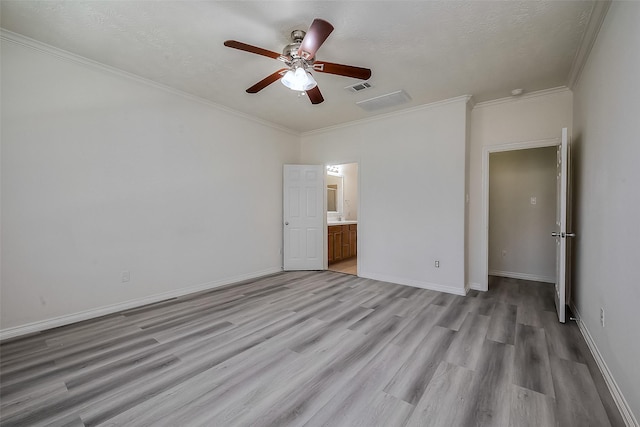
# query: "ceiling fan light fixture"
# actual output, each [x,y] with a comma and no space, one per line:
[299,80]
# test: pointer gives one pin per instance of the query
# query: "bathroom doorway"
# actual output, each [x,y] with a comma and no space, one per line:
[342,218]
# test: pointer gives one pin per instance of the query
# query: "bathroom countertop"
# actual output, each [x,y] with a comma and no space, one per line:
[341,222]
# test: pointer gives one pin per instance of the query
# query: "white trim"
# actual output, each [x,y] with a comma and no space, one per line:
[625,410]
[596,18]
[523,276]
[475,286]
[486,151]
[414,283]
[465,98]
[525,97]
[114,308]
[18,39]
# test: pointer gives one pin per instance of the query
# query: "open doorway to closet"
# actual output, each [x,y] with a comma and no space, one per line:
[342,218]
[522,214]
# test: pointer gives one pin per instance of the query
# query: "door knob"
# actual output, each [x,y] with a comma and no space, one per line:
[571,234]
[286,223]
[555,234]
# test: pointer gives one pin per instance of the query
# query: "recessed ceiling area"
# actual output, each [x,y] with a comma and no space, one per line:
[432,50]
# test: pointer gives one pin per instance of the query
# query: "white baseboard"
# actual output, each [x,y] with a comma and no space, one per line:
[523,276]
[56,322]
[628,417]
[414,283]
[476,287]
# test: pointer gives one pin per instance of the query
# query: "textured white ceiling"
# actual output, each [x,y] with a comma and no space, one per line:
[434,50]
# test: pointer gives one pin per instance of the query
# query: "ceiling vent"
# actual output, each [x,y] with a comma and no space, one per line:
[384,101]
[358,87]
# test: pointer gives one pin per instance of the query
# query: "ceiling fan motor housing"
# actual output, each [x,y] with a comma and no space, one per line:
[298,35]
[290,51]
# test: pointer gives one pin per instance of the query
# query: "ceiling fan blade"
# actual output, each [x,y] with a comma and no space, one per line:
[315,96]
[252,49]
[317,34]
[266,81]
[342,70]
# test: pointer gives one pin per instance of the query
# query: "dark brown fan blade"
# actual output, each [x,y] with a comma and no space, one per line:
[315,96]
[252,49]
[317,34]
[342,70]
[266,81]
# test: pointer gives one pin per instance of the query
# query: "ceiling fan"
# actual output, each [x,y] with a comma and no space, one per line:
[300,58]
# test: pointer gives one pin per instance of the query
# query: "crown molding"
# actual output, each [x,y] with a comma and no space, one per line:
[64,55]
[465,98]
[471,102]
[596,18]
[525,97]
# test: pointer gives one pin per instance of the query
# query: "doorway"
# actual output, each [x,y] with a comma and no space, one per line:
[522,214]
[486,153]
[342,218]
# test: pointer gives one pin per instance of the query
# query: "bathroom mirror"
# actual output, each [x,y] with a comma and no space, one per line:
[334,193]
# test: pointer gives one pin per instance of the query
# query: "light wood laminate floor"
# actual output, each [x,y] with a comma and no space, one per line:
[312,349]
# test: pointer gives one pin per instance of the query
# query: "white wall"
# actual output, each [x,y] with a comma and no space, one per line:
[520,242]
[350,173]
[412,181]
[102,173]
[534,117]
[607,195]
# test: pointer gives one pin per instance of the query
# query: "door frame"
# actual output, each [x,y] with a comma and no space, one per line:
[486,151]
[326,225]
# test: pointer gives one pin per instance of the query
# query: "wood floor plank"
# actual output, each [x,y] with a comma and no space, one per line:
[528,312]
[352,404]
[466,348]
[531,409]
[383,410]
[442,404]
[577,399]
[377,316]
[607,400]
[411,336]
[31,398]
[411,380]
[454,314]
[531,368]
[502,327]
[417,303]
[564,340]
[490,387]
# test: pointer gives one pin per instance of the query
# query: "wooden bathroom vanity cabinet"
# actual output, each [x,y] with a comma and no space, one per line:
[342,243]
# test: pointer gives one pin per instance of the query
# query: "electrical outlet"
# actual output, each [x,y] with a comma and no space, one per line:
[437,264]
[602,317]
[534,200]
[126,276]
[504,253]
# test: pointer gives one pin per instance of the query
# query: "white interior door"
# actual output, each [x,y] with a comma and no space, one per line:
[561,233]
[303,217]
